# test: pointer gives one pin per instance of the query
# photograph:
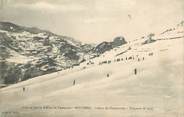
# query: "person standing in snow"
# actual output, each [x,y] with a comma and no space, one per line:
[74,82]
[138,59]
[107,75]
[23,89]
[135,71]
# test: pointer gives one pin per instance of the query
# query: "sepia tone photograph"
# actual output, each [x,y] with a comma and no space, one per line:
[91,58]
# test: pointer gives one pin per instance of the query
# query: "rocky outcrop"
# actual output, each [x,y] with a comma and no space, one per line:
[106,46]
[149,39]
[118,41]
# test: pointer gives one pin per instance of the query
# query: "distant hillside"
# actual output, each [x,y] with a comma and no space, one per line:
[29,52]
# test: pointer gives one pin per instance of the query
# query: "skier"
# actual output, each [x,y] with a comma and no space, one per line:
[135,71]
[138,59]
[107,75]
[74,82]
[23,89]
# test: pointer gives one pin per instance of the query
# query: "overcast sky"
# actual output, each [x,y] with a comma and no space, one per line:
[95,20]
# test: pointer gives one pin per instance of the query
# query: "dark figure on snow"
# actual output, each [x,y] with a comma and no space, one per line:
[74,82]
[138,59]
[108,75]
[135,71]
[23,89]
[143,58]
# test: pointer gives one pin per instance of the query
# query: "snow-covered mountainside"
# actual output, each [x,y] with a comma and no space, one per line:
[143,78]
[29,52]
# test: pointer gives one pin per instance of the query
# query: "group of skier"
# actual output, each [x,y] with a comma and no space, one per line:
[116,60]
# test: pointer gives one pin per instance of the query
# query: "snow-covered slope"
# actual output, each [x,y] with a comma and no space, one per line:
[84,91]
[136,49]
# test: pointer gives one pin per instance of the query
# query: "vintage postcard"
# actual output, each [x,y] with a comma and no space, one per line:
[91,58]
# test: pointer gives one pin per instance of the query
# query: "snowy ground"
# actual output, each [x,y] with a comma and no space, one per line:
[156,91]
